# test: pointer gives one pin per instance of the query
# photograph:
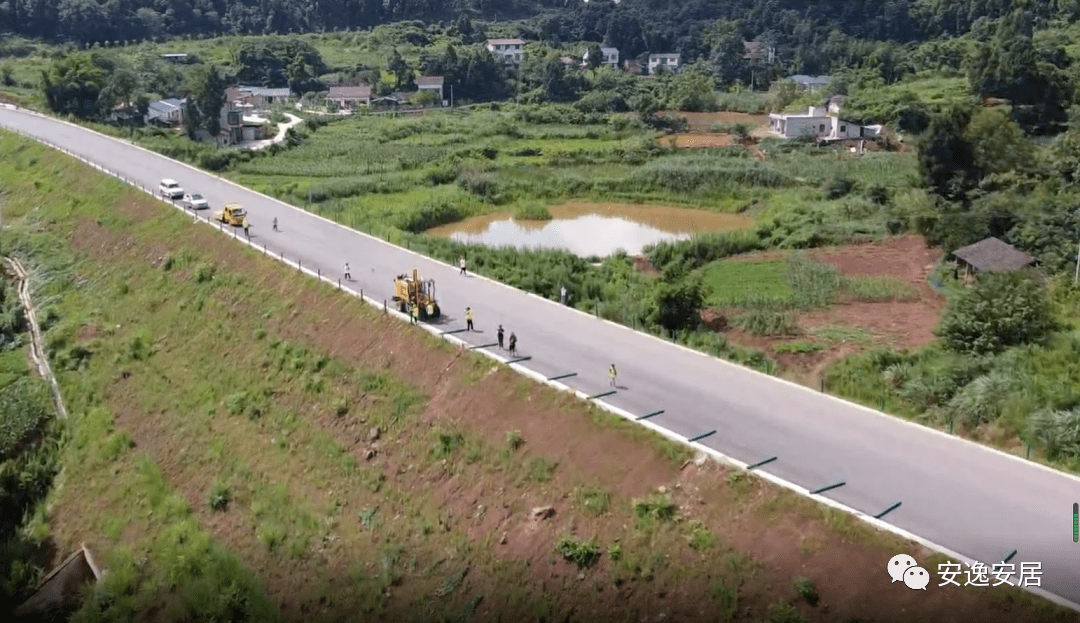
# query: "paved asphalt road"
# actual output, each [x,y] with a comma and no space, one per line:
[969,499]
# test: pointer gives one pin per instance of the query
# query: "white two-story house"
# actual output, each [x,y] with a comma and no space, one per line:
[609,56]
[509,50]
[669,62]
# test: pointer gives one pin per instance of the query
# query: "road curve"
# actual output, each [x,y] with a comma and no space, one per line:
[975,501]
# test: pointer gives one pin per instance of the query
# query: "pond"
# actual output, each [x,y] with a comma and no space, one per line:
[592,229]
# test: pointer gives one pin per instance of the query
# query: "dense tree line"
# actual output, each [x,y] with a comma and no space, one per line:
[806,33]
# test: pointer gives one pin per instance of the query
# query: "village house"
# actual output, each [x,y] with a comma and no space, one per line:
[610,57]
[231,122]
[817,123]
[759,53]
[168,112]
[349,98]
[811,83]
[263,97]
[509,50]
[633,68]
[670,62]
[834,103]
[433,84]
[990,255]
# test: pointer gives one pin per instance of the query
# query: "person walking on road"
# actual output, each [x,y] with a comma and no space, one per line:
[275,224]
[499,334]
[612,372]
[461,263]
[348,273]
[415,311]
[468,319]
[513,344]
[562,295]
[246,232]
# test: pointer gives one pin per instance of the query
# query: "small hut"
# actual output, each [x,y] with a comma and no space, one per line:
[990,255]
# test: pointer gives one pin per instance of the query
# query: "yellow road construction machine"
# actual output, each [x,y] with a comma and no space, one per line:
[232,214]
[415,292]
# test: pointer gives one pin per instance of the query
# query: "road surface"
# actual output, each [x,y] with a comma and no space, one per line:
[975,501]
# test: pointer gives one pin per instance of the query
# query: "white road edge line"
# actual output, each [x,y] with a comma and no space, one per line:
[715,454]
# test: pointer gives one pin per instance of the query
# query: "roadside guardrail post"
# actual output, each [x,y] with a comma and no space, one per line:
[361,294]
[384,306]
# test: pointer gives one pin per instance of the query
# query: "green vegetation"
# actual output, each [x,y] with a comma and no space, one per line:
[248,459]
[581,553]
[805,588]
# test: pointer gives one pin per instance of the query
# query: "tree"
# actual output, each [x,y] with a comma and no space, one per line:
[676,304]
[594,56]
[73,84]
[727,53]
[397,65]
[946,159]
[693,89]
[999,311]
[207,91]
[1033,78]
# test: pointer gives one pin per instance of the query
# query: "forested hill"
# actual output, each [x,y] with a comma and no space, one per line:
[636,25]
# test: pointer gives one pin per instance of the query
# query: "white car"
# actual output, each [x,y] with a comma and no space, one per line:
[195,201]
[170,189]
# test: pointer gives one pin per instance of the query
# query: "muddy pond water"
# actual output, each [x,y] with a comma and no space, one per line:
[592,229]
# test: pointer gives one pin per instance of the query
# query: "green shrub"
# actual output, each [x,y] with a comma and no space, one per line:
[25,407]
[1058,431]
[532,211]
[768,322]
[431,215]
[805,588]
[658,507]
[838,187]
[581,553]
[514,440]
[220,496]
[999,311]
[204,273]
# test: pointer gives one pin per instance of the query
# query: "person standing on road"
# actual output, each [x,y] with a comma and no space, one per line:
[499,334]
[246,231]
[461,263]
[275,224]
[513,344]
[415,310]
[348,273]
[612,372]
[468,319]
[562,295]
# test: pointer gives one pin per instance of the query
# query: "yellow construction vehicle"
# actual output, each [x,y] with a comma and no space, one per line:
[416,293]
[232,214]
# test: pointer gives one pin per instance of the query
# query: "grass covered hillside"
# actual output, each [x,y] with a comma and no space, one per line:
[247,444]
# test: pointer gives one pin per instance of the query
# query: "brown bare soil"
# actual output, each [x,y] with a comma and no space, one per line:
[659,576]
[703,121]
[901,324]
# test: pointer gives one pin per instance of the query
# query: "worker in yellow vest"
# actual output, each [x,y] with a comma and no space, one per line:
[468,319]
